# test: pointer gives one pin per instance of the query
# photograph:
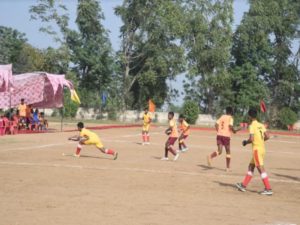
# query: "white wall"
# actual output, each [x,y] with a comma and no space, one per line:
[131,116]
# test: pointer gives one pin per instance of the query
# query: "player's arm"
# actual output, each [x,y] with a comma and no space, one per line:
[167,131]
[185,130]
[266,136]
[74,138]
[217,127]
[235,129]
[249,141]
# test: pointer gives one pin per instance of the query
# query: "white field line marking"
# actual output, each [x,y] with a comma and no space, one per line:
[28,164]
[33,147]
[36,147]
[211,137]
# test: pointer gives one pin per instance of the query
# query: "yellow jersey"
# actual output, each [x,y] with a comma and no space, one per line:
[173,126]
[183,126]
[89,134]
[146,119]
[258,131]
[224,123]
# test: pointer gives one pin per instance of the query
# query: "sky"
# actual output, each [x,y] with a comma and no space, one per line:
[15,14]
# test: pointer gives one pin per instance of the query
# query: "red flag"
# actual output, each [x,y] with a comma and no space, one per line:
[263,107]
[151,106]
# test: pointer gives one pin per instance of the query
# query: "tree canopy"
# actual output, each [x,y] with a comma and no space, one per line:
[161,39]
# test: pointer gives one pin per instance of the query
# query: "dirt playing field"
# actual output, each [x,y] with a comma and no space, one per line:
[39,186]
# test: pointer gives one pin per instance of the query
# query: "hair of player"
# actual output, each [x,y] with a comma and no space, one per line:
[171,113]
[229,110]
[80,125]
[181,116]
[252,113]
[146,109]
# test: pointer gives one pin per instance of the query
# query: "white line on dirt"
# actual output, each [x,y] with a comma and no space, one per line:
[55,165]
[35,147]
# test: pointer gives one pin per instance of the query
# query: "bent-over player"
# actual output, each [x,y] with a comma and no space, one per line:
[87,137]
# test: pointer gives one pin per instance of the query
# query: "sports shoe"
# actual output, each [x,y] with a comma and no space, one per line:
[115,155]
[184,149]
[241,187]
[208,160]
[164,159]
[77,156]
[176,157]
[266,192]
[147,143]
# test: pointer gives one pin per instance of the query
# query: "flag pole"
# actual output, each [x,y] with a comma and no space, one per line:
[62,110]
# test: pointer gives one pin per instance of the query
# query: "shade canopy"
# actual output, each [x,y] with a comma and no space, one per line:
[42,90]
[6,78]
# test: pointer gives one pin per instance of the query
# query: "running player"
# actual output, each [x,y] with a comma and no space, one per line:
[87,137]
[146,125]
[173,135]
[258,136]
[184,128]
[224,127]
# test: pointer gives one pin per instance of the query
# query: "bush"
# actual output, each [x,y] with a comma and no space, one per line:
[191,111]
[70,108]
[287,117]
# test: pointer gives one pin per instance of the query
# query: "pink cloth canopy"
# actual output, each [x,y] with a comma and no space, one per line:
[42,90]
[6,78]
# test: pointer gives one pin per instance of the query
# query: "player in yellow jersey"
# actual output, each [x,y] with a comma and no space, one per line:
[224,128]
[146,126]
[173,135]
[87,137]
[184,128]
[258,136]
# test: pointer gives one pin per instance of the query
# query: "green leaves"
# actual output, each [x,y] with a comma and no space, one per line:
[11,44]
[151,51]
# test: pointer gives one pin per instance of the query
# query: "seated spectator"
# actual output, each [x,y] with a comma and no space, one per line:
[15,121]
[34,120]
[22,123]
[43,122]
[6,124]
[1,125]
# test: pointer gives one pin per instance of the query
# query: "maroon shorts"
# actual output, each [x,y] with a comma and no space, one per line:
[172,140]
[185,137]
[221,140]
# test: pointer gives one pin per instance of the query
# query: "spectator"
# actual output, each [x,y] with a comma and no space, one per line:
[43,122]
[22,108]
[35,120]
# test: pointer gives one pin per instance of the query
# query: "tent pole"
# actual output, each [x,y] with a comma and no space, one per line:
[9,89]
[62,110]
[62,119]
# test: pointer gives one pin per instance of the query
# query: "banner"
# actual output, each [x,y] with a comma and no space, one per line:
[152,106]
[263,107]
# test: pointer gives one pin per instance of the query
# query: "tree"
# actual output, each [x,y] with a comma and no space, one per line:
[49,11]
[150,51]
[86,51]
[208,42]
[11,44]
[90,48]
[262,53]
